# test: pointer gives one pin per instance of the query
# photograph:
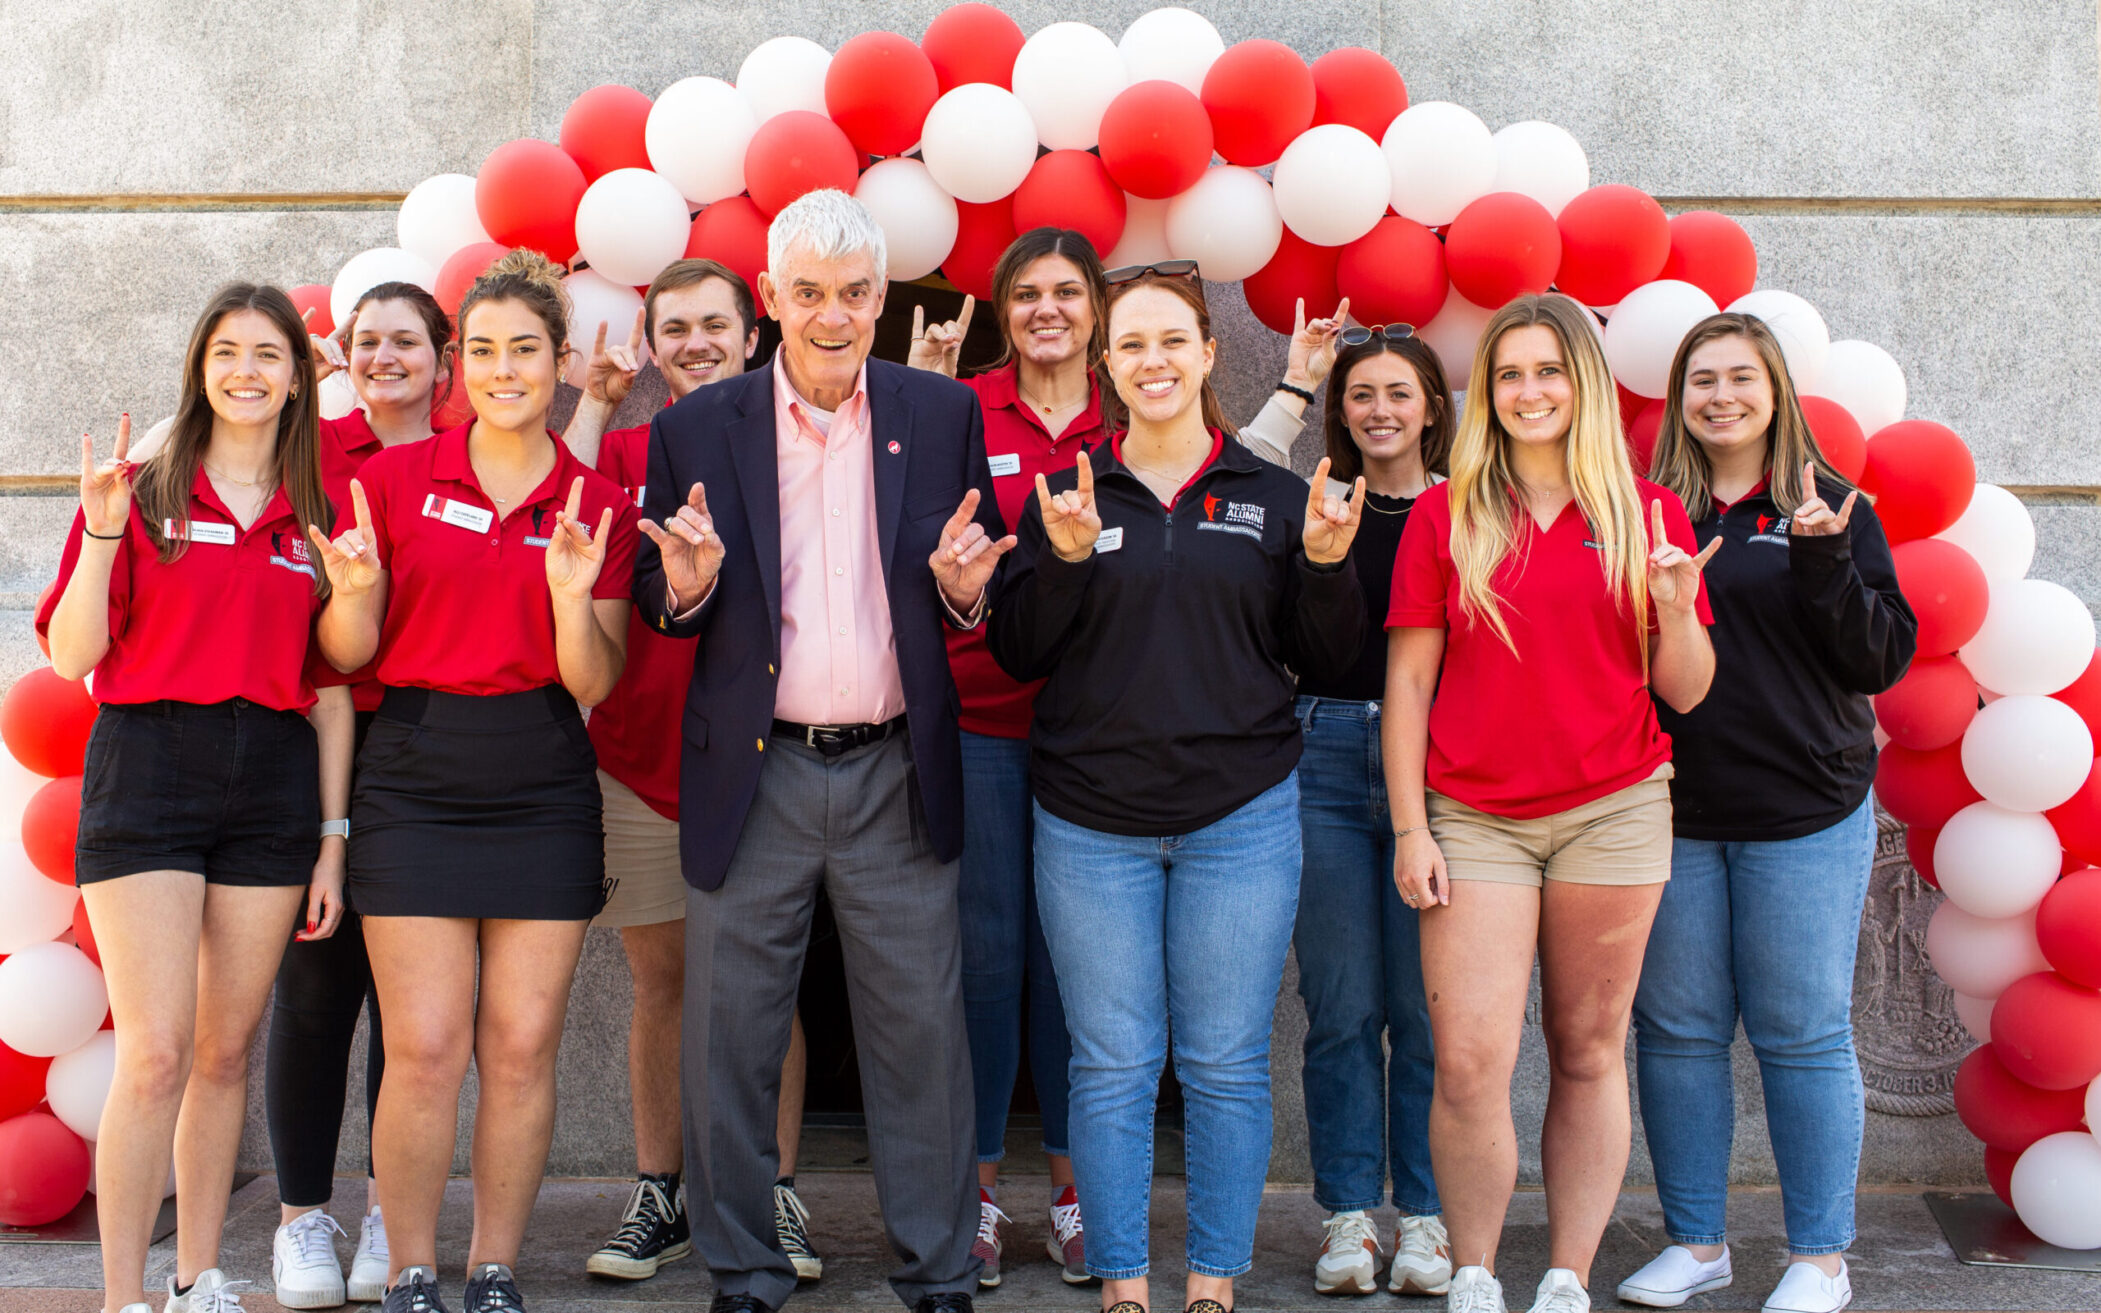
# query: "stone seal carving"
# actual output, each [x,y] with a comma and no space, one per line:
[1904,1024]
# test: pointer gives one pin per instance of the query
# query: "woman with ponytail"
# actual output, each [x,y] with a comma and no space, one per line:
[1541,595]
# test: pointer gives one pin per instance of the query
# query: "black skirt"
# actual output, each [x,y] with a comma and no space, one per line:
[477,807]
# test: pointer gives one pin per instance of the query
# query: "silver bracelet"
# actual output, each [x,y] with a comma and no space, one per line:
[1402,834]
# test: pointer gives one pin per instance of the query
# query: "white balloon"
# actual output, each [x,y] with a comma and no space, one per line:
[1443,159]
[1171,45]
[1994,863]
[783,74]
[52,1000]
[1978,957]
[2037,638]
[18,783]
[2093,1107]
[438,218]
[595,299]
[630,224]
[1867,381]
[696,136]
[1542,161]
[1805,341]
[368,269]
[979,142]
[337,395]
[1645,329]
[1974,1013]
[78,1083]
[1065,76]
[1144,239]
[32,908]
[1332,184]
[1454,334]
[2027,753]
[1997,530]
[918,219]
[2055,1187]
[1227,223]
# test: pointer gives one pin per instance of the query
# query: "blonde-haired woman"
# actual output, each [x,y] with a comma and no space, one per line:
[1542,595]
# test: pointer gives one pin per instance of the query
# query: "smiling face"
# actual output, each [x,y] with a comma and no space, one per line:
[1158,356]
[701,336]
[1049,316]
[827,310]
[393,363]
[248,368]
[1535,393]
[1728,397]
[508,363]
[1385,407]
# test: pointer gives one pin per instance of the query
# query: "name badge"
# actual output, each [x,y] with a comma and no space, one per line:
[640,488]
[1108,540]
[458,513]
[1007,464]
[201,531]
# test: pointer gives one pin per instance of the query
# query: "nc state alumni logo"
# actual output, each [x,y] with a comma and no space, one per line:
[1245,518]
[1772,529]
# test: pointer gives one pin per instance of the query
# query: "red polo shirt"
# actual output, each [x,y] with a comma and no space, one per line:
[467,603]
[1018,447]
[346,444]
[636,728]
[1566,719]
[232,617]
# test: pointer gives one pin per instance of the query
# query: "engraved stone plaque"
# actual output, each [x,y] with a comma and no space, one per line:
[1904,1023]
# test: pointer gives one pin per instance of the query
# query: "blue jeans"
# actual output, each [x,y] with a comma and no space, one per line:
[1183,935]
[1765,931]
[1005,961]
[1360,972]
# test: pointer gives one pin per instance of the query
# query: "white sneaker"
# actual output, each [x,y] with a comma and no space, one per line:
[211,1292]
[1474,1290]
[1561,1292]
[1803,1289]
[303,1264]
[1349,1255]
[1674,1276]
[1422,1257]
[368,1271]
[134,1308]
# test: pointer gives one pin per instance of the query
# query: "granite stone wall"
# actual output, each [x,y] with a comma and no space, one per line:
[1928,173]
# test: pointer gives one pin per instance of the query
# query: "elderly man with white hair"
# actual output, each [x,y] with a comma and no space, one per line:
[815,523]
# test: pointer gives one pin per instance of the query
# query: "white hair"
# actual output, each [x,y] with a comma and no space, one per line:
[829,224]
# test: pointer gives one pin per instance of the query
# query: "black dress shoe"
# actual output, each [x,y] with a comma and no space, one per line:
[739,1303]
[945,1301]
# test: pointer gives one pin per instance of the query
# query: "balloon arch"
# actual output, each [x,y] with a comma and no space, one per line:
[1154,145]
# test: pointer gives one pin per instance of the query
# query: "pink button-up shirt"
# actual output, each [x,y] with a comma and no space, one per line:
[838,651]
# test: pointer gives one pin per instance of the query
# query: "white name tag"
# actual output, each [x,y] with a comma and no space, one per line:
[1007,464]
[201,531]
[640,488]
[1109,539]
[458,513]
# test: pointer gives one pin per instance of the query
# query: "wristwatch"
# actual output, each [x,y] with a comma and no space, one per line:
[341,827]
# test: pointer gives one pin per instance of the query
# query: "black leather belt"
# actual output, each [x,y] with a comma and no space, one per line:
[832,740]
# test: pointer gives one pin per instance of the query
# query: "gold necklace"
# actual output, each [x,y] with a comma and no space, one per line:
[221,474]
[1040,404]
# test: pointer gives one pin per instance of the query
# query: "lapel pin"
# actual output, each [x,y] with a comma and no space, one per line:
[896,446]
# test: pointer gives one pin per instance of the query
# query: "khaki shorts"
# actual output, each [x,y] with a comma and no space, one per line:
[1621,838]
[641,857]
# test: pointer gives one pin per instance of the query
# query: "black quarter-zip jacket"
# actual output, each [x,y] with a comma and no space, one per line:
[1169,652]
[1805,630]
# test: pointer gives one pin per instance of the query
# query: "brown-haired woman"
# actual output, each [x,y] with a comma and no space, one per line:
[487,571]
[187,590]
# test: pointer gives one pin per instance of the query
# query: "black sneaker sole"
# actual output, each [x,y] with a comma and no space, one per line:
[611,1263]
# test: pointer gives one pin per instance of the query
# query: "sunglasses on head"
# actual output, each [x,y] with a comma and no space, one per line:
[1131,273]
[1355,335]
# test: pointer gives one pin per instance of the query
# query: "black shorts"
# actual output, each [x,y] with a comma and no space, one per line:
[477,807]
[231,791]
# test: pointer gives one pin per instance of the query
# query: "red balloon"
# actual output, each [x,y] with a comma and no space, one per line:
[1837,435]
[1299,270]
[1394,274]
[456,277]
[50,824]
[1614,238]
[2083,695]
[2068,927]
[2077,820]
[1643,432]
[1921,475]
[43,1170]
[794,153]
[1259,95]
[602,130]
[1931,706]
[2005,1112]
[45,720]
[1072,189]
[21,1081]
[731,232]
[972,43]
[1156,140]
[1923,788]
[983,233]
[1998,1172]
[878,90]
[314,297]
[84,933]
[1631,406]
[1947,591]
[1501,247]
[526,195]
[1918,847]
[1358,87]
[2047,1030]
[1713,253]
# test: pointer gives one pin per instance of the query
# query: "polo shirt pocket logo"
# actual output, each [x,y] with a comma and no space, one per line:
[1244,518]
[1772,530]
[289,552]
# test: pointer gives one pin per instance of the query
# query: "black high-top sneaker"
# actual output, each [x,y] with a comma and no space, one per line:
[653,1232]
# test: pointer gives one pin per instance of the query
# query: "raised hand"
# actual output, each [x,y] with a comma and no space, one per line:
[692,550]
[328,353]
[964,560]
[610,373]
[1674,577]
[1813,518]
[574,551]
[352,560]
[1311,357]
[939,348]
[1331,522]
[105,486]
[1070,521]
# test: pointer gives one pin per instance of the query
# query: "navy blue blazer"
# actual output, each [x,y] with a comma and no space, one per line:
[928,450]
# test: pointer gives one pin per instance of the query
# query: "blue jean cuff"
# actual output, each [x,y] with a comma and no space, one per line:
[1335,1207]
[1678,1239]
[1431,1209]
[1057,1152]
[1118,1273]
[1818,1250]
[1197,1269]
[992,1157]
